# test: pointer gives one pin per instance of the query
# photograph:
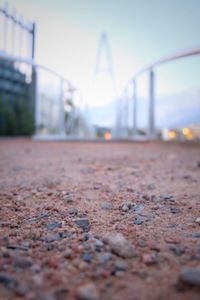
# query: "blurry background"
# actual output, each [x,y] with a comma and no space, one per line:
[99,46]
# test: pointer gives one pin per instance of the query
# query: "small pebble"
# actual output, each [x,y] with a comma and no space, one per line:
[151,186]
[197,220]
[154,246]
[139,221]
[196,235]
[106,205]
[50,247]
[119,273]
[177,250]
[87,257]
[175,210]
[142,243]
[190,276]
[167,198]
[54,225]
[7,280]
[86,236]
[22,289]
[105,257]
[72,211]
[84,223]
[121,265]
[22,262]
[68,253]
[125,207]
[149,259]
[52,238]
[138,208]
[87,292]
[98,245]
[68,198]
[119,245]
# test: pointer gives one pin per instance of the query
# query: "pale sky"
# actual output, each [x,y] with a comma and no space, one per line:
[139,32]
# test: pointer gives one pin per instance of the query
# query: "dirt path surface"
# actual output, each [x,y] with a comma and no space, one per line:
[99,221]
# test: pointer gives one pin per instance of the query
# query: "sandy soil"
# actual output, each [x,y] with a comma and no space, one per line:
[106,221]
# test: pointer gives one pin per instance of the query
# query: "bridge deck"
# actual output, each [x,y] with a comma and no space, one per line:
[149,192]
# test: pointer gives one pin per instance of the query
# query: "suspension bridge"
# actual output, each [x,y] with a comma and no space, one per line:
[55,105]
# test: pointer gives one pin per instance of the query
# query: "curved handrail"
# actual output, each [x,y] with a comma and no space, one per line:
[150,68]
[166,59]
[33,64]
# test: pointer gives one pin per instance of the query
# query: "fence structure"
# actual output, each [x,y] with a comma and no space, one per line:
[59,108]
[33,98]
[17,35]
[150,69]
[17,81]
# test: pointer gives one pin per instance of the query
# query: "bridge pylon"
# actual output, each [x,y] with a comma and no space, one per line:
[104,48]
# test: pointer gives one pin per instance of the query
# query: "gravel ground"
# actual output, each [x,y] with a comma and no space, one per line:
[99,221]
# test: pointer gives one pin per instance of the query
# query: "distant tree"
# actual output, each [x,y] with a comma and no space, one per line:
[16,118]
[2,117]
[26,118]
[10,119]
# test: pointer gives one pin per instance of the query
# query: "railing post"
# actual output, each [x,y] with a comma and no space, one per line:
[118,120]
[5,10]
[13,31]
[151,129]
[33,41]
[134,107]
[21,33]
[126,112]
[33,90]
[61,110]
[35,99]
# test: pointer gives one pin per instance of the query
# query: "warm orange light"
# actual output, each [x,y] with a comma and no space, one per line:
[186,131]
[172,134]
[107,136]
[190,136]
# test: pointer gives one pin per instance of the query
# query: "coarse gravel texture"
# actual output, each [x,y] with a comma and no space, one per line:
[99,221]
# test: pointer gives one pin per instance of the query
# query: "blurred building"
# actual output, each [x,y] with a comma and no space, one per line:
[17,79]
[16,102]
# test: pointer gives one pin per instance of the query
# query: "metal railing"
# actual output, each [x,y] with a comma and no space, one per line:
[151,93]
[14,27]
[56,111]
